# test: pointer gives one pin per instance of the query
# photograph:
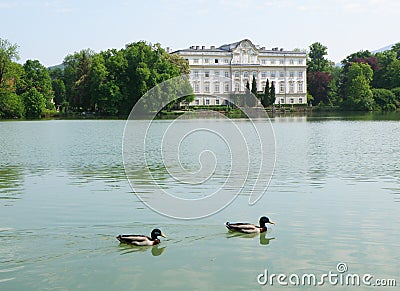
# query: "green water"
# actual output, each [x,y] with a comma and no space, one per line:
[335,196]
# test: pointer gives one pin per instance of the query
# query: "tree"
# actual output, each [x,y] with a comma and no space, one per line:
[318,84]
[358,91]
[37,76]
[8,54]
[146,66]
[319,75]
[35,103]
[59,91]
[384,99]
[265,98]
[396,48]
[11,105]
[360,55]
[272,94]
[254,86]
[316,58]
[76,72]
[396,92]
[334,97]
[56,72]
[247,85]
[388,74]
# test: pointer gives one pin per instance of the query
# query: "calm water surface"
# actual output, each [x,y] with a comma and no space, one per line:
[335,196]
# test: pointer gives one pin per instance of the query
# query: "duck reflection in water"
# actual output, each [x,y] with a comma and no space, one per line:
[156,250]
[263,239]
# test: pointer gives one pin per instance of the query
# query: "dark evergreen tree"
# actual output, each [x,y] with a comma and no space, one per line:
[254,86]
[265,98]
[272,94]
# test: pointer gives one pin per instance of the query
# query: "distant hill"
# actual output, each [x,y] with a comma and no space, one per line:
[386,48]
[60,66]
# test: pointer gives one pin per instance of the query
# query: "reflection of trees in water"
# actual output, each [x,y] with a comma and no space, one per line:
[11,181]
[108,173]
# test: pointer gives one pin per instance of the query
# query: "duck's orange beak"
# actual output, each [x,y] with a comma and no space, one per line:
[271,222]
[163,235]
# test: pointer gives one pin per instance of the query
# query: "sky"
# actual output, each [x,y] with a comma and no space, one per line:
[50,30]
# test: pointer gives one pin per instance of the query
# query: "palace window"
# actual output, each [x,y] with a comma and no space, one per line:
[300,74]
[291,87]
[300,87]
[273,62]
[237,87]
[236,74]
[254,74]
[207,87]
[291,100]
[273,74]
[281,61]
[226,61]
[207,101]
[300,61]
[196,88]
[226,87]
[216,101]
[263,62]
[282,101]
[216,87]
[216,74]
[291,74]
[300,100]
[291,62]
[216,61]
[196,101]
[282,87]
[246,74]
[206,61]
[195,61]
[281,74]
[206,74]
[226,74]
[263,74]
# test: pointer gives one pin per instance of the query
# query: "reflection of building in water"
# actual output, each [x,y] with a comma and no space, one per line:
[227,69]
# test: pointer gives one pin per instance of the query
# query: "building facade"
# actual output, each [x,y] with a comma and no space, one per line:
[227,69]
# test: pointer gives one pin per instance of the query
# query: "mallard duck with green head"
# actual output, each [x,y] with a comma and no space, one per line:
[142,240]
[248,227]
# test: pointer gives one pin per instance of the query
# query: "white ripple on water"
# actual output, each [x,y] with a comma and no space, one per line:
[11,269]
[8,271]
[6,280]
[6,228]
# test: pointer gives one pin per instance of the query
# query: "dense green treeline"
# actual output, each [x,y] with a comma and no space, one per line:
[111,82]
[364,81]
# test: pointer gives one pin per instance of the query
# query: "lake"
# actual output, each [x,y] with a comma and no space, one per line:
[64,196]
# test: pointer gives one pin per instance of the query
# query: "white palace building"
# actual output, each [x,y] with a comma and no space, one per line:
[226,70]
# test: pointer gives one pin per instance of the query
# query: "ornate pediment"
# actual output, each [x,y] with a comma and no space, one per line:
[245,53]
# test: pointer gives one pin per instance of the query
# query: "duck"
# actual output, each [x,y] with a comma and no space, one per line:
[142,240]
[248,227]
